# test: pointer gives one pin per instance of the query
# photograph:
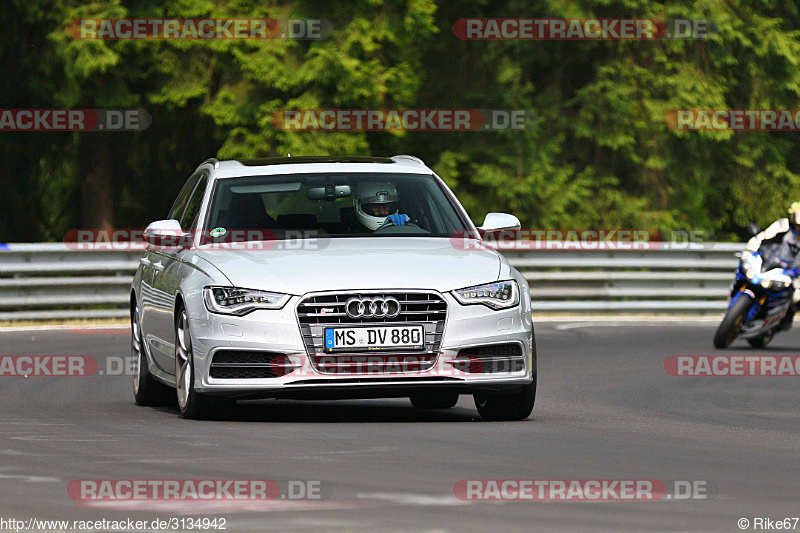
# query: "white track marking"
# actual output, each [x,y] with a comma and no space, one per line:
[206,507]
[423,500]
[59,327]
[31,479]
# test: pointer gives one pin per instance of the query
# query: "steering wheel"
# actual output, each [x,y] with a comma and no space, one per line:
[389,228]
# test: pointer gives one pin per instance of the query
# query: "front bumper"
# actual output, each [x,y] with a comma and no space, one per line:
[279,332]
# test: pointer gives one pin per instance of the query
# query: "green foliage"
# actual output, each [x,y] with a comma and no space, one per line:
[599,155]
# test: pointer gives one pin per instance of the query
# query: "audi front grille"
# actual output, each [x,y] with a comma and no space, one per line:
[318,311]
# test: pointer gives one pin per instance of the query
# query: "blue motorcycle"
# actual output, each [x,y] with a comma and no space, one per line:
[761,300]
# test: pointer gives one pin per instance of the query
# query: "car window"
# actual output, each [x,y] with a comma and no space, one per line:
[325,204]
[189,218]
[183,197]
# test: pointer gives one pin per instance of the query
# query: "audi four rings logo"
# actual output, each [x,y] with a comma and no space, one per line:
[372,307]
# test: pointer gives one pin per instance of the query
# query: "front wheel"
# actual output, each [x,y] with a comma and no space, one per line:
[733,321]
[516,406]
[146,390]
[190,403]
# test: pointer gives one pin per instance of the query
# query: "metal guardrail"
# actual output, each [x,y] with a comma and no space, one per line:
[40,281]
[691,279]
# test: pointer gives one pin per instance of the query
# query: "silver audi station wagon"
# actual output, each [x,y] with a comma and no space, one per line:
[329,278]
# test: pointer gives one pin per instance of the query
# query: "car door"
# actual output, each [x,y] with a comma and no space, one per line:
[156,304]
[173,267]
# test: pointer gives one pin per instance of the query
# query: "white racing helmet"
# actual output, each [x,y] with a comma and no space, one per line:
[372,199]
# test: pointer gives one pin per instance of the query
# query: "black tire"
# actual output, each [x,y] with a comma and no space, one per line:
[515,406]
[434,400]
[191,404]
[732,322]
[146,390]
[760,342]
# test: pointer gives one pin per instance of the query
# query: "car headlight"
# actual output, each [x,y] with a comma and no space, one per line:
[498,295]
[236,301]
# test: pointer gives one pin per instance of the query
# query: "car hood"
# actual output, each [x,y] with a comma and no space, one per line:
[357,263]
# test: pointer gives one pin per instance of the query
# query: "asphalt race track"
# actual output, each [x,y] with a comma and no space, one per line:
[606,409]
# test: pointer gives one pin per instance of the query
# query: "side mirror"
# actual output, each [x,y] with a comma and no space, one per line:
[753,229]
[167,233]
[500,222]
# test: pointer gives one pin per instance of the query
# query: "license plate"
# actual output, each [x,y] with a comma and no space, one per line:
[374,338]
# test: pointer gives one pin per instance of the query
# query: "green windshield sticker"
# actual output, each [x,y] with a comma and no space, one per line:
[218,232]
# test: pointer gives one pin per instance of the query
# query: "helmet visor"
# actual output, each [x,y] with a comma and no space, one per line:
[380,210]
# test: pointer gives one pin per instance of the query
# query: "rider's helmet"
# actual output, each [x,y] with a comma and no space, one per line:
[794,217]
[374,201]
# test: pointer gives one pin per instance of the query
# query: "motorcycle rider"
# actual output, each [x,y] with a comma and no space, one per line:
[375,204]
[786,232]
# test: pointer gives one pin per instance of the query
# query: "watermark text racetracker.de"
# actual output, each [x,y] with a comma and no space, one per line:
[72,366]
[733,119]
[197,489]
[199,28]
[74,120]
[458,120]
[732,365]
[587,29]
[582,239]
[219,238]
[647,490]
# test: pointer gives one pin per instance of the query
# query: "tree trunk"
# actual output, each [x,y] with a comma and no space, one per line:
[96,167]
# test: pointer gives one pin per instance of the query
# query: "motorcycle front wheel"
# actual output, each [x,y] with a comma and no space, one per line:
[733,321]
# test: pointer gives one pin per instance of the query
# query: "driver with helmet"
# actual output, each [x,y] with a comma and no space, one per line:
[375,203]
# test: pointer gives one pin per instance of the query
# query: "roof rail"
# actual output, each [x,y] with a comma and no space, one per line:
[213,161]
[403,157]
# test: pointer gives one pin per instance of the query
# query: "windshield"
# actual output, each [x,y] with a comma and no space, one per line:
[331,205]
